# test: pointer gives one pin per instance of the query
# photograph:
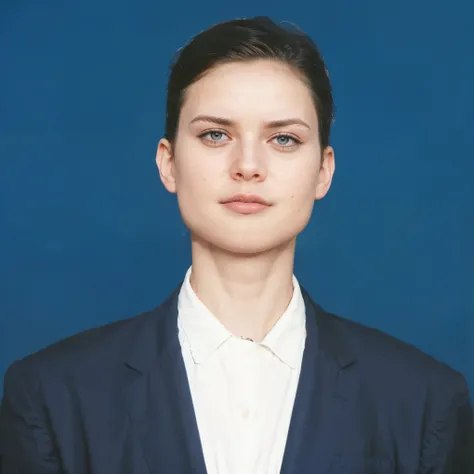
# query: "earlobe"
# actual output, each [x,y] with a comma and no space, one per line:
[326,173]
[165,164]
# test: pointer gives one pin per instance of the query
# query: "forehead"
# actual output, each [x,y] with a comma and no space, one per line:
[260,89]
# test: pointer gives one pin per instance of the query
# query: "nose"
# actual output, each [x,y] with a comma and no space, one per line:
[249,164]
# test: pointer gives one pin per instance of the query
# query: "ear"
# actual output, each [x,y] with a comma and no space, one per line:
[166,165]
[326,173]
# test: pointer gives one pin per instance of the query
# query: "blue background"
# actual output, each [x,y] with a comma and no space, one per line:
[89,235]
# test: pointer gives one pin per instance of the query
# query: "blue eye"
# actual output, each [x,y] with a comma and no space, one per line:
[283,140]
[214,135]
[286,141]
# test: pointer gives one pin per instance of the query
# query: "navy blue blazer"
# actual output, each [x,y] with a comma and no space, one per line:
[116,400]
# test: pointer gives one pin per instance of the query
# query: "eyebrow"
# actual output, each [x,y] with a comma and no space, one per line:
[229,123]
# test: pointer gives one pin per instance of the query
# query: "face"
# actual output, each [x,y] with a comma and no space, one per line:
[247,128]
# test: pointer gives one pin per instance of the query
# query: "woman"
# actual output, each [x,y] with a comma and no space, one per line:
[239,371]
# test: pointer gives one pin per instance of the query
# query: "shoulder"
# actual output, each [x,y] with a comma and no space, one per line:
[407,393]
[394,368]
[97,350]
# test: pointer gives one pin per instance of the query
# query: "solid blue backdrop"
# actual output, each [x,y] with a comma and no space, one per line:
[88,234]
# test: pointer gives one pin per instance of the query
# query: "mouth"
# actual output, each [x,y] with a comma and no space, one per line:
[246,204]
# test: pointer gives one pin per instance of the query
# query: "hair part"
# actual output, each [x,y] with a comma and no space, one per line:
[247,40]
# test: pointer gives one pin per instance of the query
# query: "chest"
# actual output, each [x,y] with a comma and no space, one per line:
[243,398]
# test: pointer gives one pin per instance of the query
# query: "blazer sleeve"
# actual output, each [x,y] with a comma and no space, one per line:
[26,444]
[449,443]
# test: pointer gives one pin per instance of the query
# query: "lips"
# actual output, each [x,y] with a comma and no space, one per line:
[246,204]
[246,198]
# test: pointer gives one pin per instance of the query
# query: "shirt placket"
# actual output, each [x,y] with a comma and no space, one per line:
[246,406]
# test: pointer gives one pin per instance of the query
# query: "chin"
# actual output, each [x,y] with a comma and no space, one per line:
[241,238]
[245,243]
[244,248]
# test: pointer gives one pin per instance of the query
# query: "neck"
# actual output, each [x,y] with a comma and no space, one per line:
[247,293]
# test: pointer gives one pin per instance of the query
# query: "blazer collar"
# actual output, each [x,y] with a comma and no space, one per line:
[154,336]
[158,398]
[156,333]
[328,332]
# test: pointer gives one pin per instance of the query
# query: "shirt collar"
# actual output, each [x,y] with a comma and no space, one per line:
[204,333]
[201,330]
[287,337]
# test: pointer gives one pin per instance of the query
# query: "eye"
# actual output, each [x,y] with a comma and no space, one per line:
[286,141]
[213,136]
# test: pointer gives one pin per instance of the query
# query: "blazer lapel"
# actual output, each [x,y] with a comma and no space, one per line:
[159,402]
[321,405]
[158,396]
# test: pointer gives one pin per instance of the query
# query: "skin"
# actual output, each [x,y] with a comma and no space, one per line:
[243,264]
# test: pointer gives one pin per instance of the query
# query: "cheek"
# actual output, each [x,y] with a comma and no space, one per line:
[192,184]
[191,170]
[301,185]
[197,179]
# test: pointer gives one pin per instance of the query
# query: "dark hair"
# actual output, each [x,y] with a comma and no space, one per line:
[245,40]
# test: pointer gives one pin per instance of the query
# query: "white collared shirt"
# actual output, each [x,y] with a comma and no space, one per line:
[243,392]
